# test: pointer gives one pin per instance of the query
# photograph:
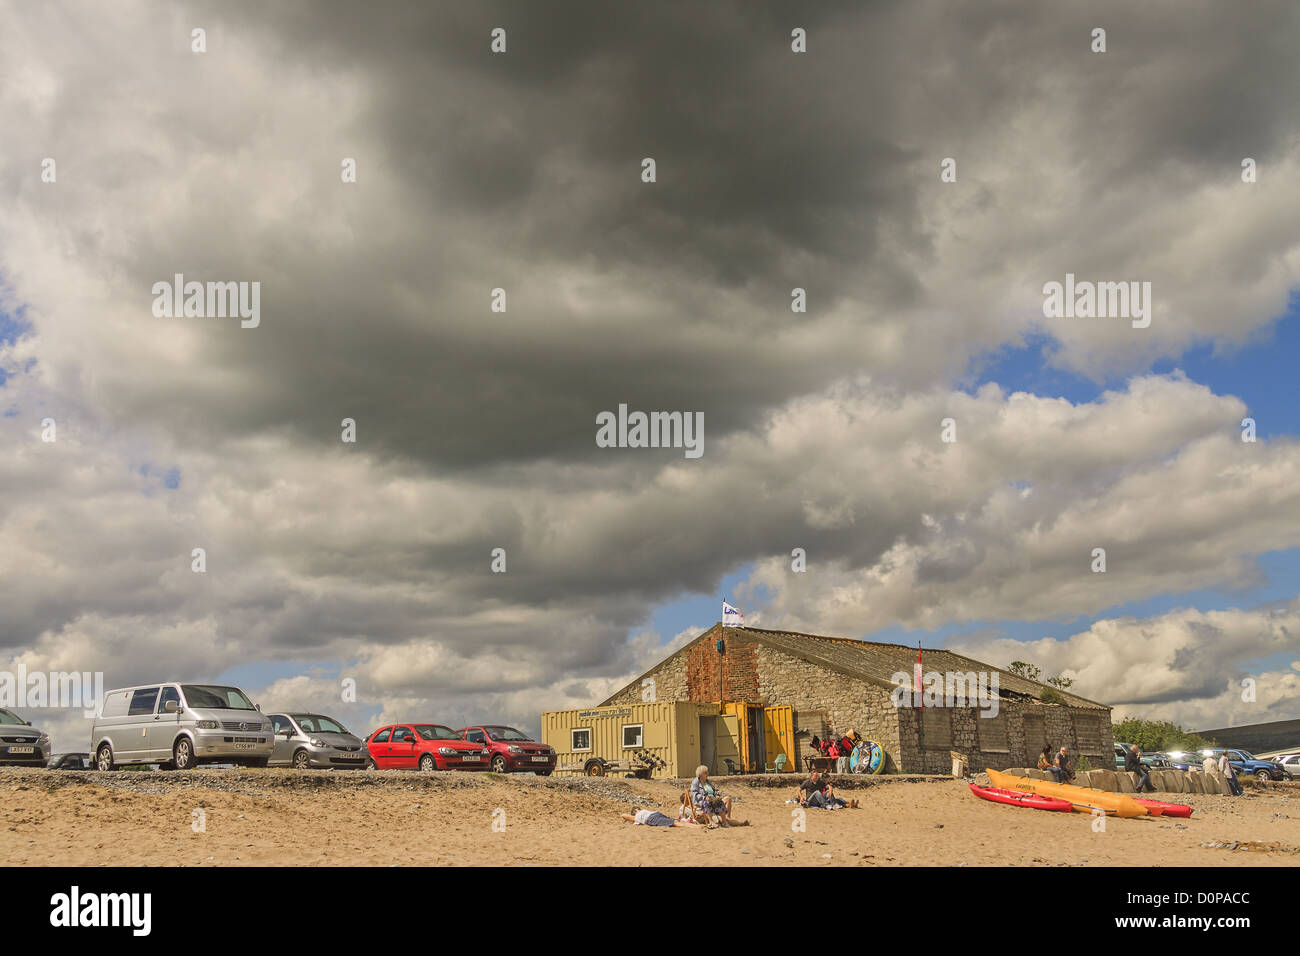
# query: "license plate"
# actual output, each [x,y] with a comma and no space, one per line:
[22,750]
[541,759]
[244,746]
[471,757]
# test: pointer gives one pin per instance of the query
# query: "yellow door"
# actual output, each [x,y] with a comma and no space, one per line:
[778,724]
[728,748]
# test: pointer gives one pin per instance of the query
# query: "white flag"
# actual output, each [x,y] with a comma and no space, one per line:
[731,616]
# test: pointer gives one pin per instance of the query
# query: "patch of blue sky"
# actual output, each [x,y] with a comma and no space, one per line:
[1261,372]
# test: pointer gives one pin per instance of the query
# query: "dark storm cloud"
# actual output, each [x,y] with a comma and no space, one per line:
[476,430]
[775,171]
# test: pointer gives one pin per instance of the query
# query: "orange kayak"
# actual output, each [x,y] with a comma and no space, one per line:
[1083,799]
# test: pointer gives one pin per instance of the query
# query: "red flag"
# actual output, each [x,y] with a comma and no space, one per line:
[920,700]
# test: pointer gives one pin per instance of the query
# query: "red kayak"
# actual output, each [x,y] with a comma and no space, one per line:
[1160,809]
[1018,798]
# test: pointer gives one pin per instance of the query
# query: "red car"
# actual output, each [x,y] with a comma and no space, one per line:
[512,750]
[426,746]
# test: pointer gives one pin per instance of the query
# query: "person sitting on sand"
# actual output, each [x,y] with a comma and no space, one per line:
[816,792]
[653,818]
[706,797]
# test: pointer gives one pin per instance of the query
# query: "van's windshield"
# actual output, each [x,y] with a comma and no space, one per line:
[216,697]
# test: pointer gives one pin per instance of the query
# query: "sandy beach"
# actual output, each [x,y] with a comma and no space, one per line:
[260,817]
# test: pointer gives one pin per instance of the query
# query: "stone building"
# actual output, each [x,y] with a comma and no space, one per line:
[835,683]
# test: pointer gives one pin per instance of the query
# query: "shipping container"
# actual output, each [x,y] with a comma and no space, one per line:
[669,739]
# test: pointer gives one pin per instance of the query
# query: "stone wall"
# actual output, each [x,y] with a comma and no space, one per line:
[827,701]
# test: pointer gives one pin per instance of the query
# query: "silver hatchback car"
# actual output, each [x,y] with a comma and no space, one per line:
[179,726]
[315,740]
[20,742]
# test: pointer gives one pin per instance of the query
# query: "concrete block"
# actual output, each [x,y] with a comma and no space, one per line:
[1124,783]
[1104,780]
[1194,782]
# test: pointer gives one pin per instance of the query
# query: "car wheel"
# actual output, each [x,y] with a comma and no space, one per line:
[370,764]
[427,763]
[1263,776]
[104,757]
[498,764]
[301,760]
[183,754]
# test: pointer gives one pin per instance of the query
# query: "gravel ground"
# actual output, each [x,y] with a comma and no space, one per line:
[256,782]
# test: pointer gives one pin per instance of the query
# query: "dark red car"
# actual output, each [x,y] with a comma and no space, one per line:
[423,746]
[511,750]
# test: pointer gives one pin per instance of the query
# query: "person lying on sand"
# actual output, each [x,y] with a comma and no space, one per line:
[653,818]
[706,797]
[817,792]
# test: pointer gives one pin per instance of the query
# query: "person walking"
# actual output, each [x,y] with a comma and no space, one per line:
[1226,768]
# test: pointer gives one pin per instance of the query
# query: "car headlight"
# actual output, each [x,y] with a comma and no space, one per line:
[515,750]
[446,751]
[44,740]
[318,743]
[207,725]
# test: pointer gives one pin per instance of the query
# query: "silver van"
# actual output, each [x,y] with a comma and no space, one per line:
[305,740]
[179,726]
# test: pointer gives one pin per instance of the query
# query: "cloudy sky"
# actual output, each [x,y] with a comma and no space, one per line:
[522,170]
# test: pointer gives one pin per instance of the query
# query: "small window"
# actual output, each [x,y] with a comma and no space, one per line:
[142,702]
[168,693]
[580,739]
[115,704]
[403,735]
[382,736]
[632,735]
[280,724]
[476,736]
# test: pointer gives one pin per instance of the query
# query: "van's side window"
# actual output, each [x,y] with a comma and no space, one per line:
[142,702]
[115,704]
[168,693]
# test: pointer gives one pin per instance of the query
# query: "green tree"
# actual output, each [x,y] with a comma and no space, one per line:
[1153,735]
[1035,673]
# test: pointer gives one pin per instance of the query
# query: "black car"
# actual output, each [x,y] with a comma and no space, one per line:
[70,762]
